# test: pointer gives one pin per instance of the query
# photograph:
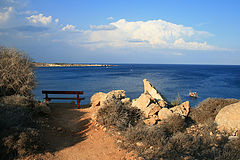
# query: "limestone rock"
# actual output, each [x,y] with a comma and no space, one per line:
[151,121]
[115,94]
[182,109]
[142,102]
[152,109]
[97,99]
[126,101]
[151,90]
[228,118]
[162,103]
[164,114]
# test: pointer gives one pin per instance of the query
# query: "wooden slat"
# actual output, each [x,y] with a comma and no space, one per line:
[64,98]
[62,92]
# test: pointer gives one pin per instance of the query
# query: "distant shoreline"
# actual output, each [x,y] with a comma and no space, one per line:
[69,65]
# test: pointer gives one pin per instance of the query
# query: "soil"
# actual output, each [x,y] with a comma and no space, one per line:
[71,135]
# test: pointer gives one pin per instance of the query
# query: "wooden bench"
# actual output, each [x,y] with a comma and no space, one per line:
[63,92]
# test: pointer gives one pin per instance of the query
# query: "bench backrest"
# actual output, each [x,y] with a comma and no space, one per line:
[62,92]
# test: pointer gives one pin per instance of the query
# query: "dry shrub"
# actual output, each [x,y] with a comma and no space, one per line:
[176,101]
[41,108]
[118,115]
[175,124]
[208,109]
[19,135]
[21,143]
[16,73]
[17,100]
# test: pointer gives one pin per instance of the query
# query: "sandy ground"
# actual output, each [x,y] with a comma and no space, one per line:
[72,136]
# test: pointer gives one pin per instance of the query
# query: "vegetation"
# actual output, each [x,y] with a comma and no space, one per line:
[195,137]
[19,134]
[16,73]
[177,101]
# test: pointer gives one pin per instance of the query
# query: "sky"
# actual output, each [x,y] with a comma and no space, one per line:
[124,31]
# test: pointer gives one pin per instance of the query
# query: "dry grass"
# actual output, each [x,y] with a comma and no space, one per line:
[16,73]
[208,109]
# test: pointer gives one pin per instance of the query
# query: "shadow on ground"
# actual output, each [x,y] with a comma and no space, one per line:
[66,126]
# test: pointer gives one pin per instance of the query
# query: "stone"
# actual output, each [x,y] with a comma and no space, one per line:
[228,118]
[126,101]
[182,109]
[97,99]
[164,113]
[142,102]
[232,138]
[59,129]
[151,121]
[139,144]
[162,103]
[115,95]
[151,90]
[152,109]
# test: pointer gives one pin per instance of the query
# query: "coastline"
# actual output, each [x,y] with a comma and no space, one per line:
[69,65]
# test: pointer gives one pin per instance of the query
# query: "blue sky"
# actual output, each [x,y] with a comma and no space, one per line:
[126,31]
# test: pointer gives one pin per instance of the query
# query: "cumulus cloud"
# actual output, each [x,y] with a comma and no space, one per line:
[5,14]
[40,19]
[151,34]
[103,27]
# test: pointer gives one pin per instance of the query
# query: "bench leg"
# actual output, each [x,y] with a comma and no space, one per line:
[78,101]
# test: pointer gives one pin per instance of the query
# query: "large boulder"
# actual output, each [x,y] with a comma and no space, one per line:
[152,109]
[97,99]
[115,95]
[182,109]
[228,118]
[142,102]
[151,90]
[165,113]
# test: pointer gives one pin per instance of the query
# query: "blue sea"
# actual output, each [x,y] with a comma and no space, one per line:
[217,81]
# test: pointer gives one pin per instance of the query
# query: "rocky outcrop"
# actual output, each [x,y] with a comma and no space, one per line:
[153,105]
[228,118]
[97,99]
[182,109]
[152,91]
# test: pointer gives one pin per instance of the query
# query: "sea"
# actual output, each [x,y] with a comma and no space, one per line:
[215,81]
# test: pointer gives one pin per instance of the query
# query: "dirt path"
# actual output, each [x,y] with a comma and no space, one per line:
[72,136]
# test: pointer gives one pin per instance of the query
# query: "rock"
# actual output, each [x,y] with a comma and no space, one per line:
[97,99]
[162,103]
[152,109]
[115,95]
[126,101]
[139,144]
[59,129]
[228,118]
[182,109]
[151,121]
[142,102]
[232,138]
[164,114]
[151,90]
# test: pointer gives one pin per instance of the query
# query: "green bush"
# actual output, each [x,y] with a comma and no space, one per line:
[16,73]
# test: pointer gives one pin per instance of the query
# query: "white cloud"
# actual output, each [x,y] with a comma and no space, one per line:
[40,19]
[103,27]
[110,18]
[149,34]
[56,20]
[5,15]
[70,28]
